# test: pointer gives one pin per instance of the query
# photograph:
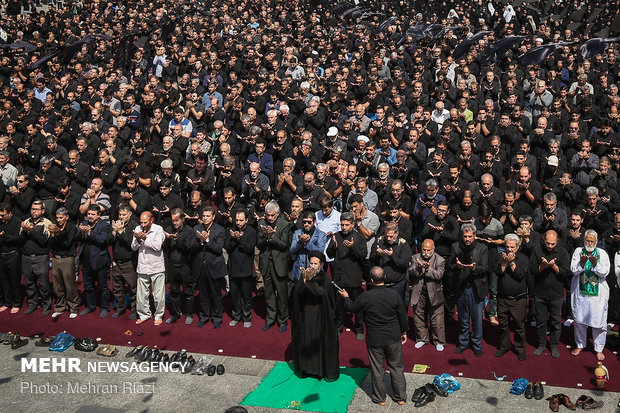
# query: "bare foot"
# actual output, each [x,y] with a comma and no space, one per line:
[576,351]
[138,321]
[14,310]
[494,321]
[600,356]
[3,308]
[157,322]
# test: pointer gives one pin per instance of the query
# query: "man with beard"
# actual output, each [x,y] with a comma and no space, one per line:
[274,264]
[466,211]
[527,191]
[210,267]
[426,273]
[239,243]
[123,266]
[180,242]
[95,259]
[164,202]
[550,216]
[512,296]
[306,239]
[77,171]
[62,243]
[590,293]
[468,263]
[309,193]
[549,265]
[426,204]
[442,229]
[392,253]
[133,195]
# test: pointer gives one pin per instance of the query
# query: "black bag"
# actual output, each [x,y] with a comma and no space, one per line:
[85,344]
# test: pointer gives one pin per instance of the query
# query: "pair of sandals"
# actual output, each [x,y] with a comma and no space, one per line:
[426,394]
[107,350]
[14,340]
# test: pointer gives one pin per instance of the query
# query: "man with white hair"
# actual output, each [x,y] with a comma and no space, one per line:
[590,293]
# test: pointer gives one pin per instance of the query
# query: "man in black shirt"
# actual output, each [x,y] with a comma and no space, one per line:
[10,271]
[34,236]
[62,243]
[124,265]
[386,322]
[180,242]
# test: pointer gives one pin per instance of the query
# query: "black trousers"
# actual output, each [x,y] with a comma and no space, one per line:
[96,283]
[276,296]
[353,292]
[548,317]
[210,296]
[36,274]
[241,294]
[377,357]
[10,278]
[179,275]
[517,310]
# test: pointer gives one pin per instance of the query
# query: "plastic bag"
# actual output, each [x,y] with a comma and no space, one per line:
[85,344]
[447,383]
[61,342]
[518,386]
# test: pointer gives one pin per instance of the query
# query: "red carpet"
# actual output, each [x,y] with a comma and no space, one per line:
[567,371]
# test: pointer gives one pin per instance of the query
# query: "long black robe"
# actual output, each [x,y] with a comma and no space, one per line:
[314,330]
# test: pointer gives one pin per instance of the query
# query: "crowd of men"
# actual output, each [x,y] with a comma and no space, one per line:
[234,141]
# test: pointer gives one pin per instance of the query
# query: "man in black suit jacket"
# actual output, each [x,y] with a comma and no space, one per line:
[210,266]
[95,259]
[240,242]
[274,240]
[468,263]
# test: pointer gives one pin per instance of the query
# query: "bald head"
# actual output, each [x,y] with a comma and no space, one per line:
[146,219]
[428,248]
[551,240]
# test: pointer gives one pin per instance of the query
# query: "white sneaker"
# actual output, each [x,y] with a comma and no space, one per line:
[569,322]
[233,323]
[439,347]
[419,344]
[56,314]
[247,324]
[73,315]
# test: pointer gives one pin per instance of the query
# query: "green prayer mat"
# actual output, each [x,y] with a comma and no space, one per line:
[282,389]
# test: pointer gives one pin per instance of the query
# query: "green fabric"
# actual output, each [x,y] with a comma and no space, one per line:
[588,282]
[282,389]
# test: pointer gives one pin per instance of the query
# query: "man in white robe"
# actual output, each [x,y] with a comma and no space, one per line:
[590,293]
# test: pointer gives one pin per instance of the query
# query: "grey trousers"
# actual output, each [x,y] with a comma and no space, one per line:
[393,354]
[158,283]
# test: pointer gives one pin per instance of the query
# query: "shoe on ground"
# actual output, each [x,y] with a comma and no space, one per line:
[541,349]
[521,357]
[73,315]
[569,322]
[427,397]
[172,319]
[565,401]
[217,325]
[30,310]
[189,319]
[104,313]
[202,323]
[57,313]
[478,353]
[501,352]
[47,312]
[117,314]
[439,347]
[283,328]
[267,326]
[233,323]
[133,316]
[18,342]
[539,392]
[417,394]
[359,336]
[554,403]
[86,311]
[555,353]
[220,369]
[247,324]
[211,370]
[459,350]
[419,344]
[529,391]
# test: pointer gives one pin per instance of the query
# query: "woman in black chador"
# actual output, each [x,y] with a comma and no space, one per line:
[314,331]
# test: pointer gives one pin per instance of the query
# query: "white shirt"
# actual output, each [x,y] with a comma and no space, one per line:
[150,251]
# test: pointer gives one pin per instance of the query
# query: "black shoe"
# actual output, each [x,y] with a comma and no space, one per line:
[155,354]
[267,326]
[521,356]
[134,351]
[555,353]
[202,323]
[217,325]
[87,311]
[18,342]
[529,391]
[104,313]
[176,357]
[211,370]
[283,328]
[30,310]
[183,357]
[160,357]
[501,352]
[541,349]
[220,369]
[141,353]
[478,353]
[426,398]
[47,312]
[459,350]
[436,389]
[187,367]
[539,392]
[417,394]
[146,355]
